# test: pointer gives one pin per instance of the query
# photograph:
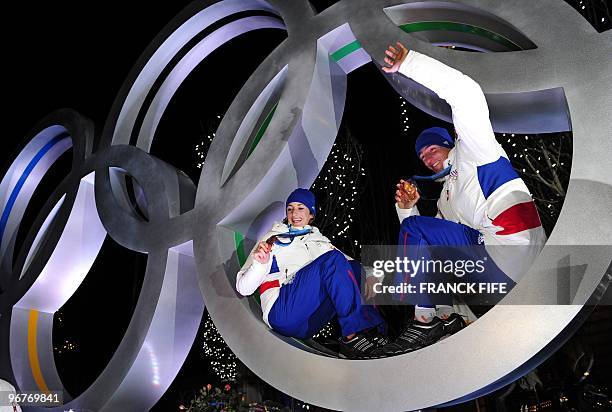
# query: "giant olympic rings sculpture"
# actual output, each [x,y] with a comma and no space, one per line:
[553,65]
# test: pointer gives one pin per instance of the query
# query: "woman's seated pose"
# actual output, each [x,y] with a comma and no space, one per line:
[304,281]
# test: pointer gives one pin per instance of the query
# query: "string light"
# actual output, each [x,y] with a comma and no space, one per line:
[201,149]
[337,199]
[222,359]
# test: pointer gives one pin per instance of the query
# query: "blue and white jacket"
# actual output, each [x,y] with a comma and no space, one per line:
[482,191]
[282,266]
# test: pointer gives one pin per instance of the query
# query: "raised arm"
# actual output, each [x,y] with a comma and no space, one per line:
[255,269]
[464,95]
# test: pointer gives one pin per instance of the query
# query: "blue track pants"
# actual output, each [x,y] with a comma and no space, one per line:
[326,287]
[417,240]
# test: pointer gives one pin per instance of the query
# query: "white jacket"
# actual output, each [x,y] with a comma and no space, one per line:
[482,190]
[289,259]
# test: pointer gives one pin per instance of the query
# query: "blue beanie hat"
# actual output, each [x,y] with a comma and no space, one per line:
[304,196]
[434,135]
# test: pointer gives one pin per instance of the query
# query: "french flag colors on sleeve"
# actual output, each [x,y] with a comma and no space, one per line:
[510,206]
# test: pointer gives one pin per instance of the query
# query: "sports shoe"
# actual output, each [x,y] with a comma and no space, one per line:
[364,345]
[453,324]
[416,335]
[381,340]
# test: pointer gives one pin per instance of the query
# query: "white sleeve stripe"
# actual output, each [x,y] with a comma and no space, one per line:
[506,196]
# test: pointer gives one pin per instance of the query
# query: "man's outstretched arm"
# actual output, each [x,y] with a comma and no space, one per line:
[464,95]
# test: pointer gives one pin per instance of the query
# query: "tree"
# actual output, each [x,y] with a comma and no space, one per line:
[337,189]
[544,163]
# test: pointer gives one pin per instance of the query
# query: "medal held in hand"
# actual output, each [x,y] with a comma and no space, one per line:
[410,190]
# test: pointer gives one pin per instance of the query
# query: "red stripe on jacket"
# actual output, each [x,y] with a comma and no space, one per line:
[517,218]
[268,285]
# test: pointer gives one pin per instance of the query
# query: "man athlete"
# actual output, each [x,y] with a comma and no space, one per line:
[483,200]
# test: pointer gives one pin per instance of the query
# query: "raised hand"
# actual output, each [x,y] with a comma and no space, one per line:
[262,253]
[394,57]
[406,195]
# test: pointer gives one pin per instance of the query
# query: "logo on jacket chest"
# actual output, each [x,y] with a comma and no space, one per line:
[452,178]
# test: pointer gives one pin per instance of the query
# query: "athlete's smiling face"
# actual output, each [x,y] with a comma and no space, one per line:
[433,156]
[298,215]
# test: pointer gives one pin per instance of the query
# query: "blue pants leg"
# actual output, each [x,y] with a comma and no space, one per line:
[424,230]
[417,238]
[324,288]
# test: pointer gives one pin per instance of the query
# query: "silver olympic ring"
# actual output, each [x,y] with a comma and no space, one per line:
[74,224]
